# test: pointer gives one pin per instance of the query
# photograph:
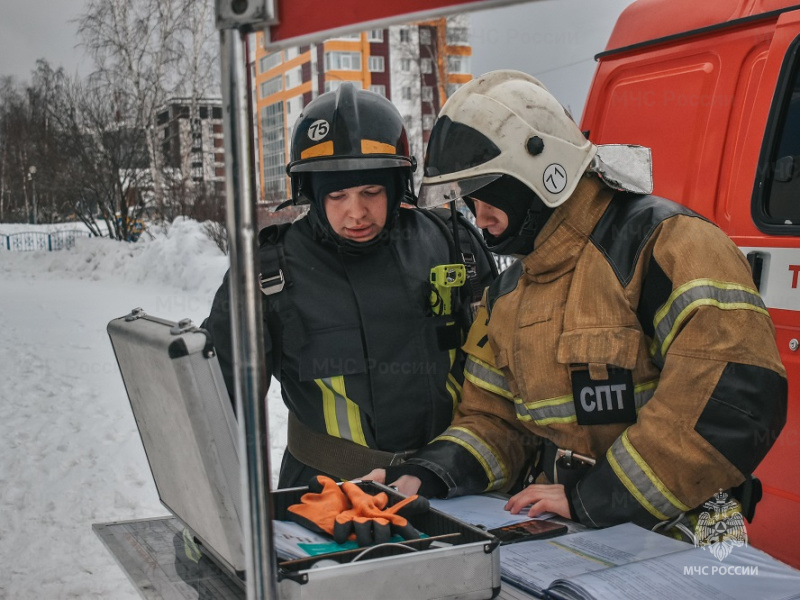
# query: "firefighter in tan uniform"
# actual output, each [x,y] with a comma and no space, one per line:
[627,349]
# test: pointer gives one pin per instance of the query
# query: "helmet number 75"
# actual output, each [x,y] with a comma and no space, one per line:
[318,130]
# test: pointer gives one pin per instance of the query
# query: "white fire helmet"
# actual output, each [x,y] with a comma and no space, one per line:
[504,122]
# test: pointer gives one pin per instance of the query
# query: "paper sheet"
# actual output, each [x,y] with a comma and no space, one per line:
[535,565]
[482,510]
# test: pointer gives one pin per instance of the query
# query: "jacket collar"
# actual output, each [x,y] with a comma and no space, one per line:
[567,231]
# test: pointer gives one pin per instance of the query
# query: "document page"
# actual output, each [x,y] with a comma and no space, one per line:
[534,565]
[745,574]
[482,510]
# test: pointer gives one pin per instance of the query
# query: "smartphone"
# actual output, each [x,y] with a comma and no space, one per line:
[528,530]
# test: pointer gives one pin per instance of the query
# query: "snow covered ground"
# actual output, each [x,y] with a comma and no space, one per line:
[70,454]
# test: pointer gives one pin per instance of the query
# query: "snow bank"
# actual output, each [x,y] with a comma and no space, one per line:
[70,453]
[181,257]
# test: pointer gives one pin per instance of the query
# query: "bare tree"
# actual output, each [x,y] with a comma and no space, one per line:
[147,51]
[30,154]
[106,166]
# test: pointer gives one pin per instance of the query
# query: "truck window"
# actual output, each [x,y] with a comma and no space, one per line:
[776,207]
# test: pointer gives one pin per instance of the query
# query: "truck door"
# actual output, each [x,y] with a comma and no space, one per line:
[774,253]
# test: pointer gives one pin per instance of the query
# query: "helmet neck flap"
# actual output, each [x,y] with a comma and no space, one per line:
[526,213]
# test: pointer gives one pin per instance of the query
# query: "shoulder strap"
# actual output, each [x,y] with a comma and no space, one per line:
[273,278]
[464,252]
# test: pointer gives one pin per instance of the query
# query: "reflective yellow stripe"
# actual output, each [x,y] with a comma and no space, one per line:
[486,377]
[374,147]
[562,408]
[453,387]
[640,480]
[342,415]
[323,149]
[685,299]
[328,409]
[495,469]
[654,479]
[353,412]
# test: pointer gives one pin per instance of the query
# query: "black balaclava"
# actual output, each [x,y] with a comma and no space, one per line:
[322,183]
[526,212]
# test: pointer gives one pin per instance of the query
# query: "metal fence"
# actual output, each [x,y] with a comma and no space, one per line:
[28,241]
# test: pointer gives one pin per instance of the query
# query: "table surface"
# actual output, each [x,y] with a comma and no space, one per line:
[151,553]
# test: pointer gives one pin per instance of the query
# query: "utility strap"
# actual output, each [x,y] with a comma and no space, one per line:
[337,457]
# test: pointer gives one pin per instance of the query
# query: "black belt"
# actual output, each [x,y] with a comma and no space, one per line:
[336,456]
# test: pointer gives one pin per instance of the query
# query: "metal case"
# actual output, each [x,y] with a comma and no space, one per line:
[187,426]
[189,433]
[463,563]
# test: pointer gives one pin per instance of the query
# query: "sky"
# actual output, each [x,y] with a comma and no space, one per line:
[554,40]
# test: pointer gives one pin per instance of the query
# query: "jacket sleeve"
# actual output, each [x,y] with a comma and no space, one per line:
[721,398]
[218,324]
[485,448]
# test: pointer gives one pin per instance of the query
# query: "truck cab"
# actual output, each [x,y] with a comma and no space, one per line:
[713,89]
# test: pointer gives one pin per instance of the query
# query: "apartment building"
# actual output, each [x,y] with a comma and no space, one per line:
[192,143]
[416,66]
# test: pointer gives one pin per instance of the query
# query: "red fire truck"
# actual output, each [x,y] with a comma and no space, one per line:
[713,89]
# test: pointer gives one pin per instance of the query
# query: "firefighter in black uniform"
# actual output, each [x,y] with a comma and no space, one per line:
[365,301]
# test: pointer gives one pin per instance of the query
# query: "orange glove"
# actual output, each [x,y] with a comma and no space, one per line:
[371,521]
[319,507]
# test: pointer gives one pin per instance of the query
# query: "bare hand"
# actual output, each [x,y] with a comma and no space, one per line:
[407,485]
[541,498]
[376,475]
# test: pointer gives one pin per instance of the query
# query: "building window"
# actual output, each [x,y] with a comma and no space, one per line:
[378,89]
[406,93]
[347,36]
[405,34]
[424,36]
[427,93]
[292,52]
[216,113]
[427,122]
[405,64]
[273,150]
[425,66]
[376,64]
[334,84]
[375,35]
[294,106]
[342,61]
[270,61]
[272,86]
[457,36]
[458,64]
[294,77]
[451,88]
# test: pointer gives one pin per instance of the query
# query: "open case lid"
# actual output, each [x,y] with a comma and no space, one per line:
[187,426]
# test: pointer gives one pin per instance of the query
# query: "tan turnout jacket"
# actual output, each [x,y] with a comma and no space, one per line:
[633,334]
